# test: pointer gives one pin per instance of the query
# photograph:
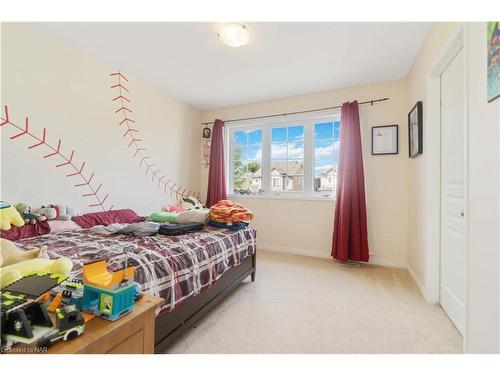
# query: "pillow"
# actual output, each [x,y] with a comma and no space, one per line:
[164,217]
[62,225]
[26,231]
[107,217]
[193,216]
[191,203]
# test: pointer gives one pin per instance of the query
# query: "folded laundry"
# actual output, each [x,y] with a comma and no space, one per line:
[145,228]
[225,211]
[230,226]
[178,229]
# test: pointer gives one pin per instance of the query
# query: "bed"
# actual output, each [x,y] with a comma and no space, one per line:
[191,272]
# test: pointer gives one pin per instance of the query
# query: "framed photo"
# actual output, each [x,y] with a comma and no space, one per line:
[206,132]
[415,131]
[385,140]
[493,40]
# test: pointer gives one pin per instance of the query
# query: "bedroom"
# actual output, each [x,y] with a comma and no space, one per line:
[336,199]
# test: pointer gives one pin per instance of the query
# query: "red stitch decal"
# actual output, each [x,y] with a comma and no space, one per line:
[55,151]
[125,112]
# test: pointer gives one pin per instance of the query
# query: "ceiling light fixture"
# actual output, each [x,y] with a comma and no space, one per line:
[234,34]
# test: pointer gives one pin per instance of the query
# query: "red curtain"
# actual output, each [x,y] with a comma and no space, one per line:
[350,235]
[216,175]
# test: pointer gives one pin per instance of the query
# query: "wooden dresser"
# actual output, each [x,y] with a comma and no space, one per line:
[133,333]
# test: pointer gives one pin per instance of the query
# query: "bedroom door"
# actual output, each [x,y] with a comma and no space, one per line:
[453,249]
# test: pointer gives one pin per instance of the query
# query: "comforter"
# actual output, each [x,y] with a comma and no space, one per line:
[172,267]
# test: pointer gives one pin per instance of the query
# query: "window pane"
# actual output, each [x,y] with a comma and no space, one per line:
[278,151]
[254,151]
[336,133]
[240,138]
[295,167]
[323,130]
[296,150]
[295,133]
[255,137]
[295,183]
[278,135]
[323,148]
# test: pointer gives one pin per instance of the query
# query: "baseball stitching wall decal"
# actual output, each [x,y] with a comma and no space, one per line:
[67,160]
[135,143]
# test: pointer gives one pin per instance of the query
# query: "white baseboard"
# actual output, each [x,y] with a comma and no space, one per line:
[325,255]
[417,281]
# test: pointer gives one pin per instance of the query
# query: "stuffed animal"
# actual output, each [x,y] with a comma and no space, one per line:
[9,215]
[16,263]
[64,212]
[10,254]
[48,211]
[28,215]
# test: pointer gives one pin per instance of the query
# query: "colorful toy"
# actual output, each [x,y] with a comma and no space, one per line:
[9,215]
[70,324]
[28,215]
[23,317]
[109,295]
[20,264]
[58,211]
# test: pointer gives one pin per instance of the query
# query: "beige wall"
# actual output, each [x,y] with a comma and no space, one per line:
[482,332]
[305,226]
[69,93]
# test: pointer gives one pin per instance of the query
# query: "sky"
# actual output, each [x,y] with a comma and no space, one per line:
[291,139]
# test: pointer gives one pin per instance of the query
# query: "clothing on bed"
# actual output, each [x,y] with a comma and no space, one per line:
[174,268]
[145,228]
[230,226]
[226,211]
[178,229]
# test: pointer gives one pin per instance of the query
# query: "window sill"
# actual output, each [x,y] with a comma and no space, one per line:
[282,197]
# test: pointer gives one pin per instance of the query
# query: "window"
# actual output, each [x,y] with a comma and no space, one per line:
[287,158]
[247,155]
[292,158]
[326,155]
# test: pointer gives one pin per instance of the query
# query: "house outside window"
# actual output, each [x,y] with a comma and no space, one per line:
[290,158]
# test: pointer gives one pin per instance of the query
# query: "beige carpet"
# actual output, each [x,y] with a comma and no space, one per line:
[310,305]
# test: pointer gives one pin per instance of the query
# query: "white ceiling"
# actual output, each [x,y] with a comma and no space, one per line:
[282,59]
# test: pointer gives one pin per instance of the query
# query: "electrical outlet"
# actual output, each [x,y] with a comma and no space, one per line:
[387,238]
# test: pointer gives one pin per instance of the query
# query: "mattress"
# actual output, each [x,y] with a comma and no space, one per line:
[172,267]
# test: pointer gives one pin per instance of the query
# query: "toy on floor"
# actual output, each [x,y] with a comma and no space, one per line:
[16,263]
[109,295]
[9,215]
[69,325]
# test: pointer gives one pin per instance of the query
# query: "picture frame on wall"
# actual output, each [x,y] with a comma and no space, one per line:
[493,69]
[415,131]
[385,140]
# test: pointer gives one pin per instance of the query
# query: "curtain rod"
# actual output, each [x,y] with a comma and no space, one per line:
[295,113]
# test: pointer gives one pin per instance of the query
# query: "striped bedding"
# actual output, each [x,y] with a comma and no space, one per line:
[174,268]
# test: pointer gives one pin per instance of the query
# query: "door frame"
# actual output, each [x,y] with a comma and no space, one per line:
[457,42]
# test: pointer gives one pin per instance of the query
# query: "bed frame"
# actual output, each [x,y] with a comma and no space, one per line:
[170,326]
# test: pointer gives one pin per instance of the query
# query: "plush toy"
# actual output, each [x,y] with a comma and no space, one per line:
[10,254]
[28,215]
[64,212]
[16,263]
[48,211]
[9,215]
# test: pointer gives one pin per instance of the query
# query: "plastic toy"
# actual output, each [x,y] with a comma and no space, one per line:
[69,323]
[23,317]
[22,320]
[9,215]
[107,294]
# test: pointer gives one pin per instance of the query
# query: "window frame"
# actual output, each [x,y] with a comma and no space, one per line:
[308,121]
